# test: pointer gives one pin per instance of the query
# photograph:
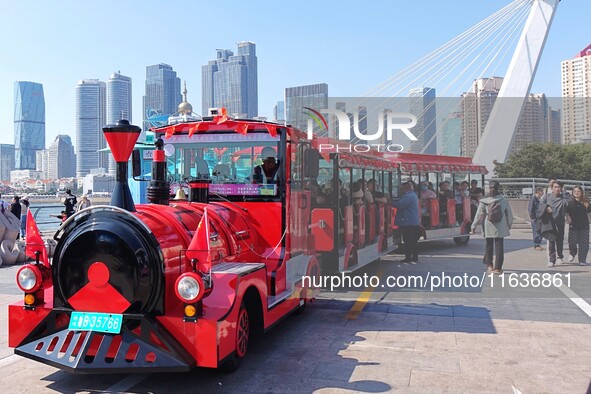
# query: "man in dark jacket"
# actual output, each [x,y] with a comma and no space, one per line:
[554,204]
[407,218]
[70,202]
[532,209]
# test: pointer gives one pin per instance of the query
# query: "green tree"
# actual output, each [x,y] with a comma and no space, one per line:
[543,160]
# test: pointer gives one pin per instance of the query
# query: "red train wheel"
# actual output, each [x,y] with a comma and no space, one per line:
[242,332]
[242,336]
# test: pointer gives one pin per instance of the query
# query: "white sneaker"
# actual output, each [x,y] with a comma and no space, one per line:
[571,258]
[550,264]
[583,263]
[559,261]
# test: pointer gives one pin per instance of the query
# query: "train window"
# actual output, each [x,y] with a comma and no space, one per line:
[297,162]
[395,185]
[230,161]
[326,170]
[345,178]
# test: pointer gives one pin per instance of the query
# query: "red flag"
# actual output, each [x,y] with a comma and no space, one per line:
[199,247]
[272,129]
[34,242]
[242,128]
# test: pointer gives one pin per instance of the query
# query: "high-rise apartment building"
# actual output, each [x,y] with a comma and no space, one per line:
[118,107]
[6,161]
[91,116]
[576,97]
[230,81]
[533,124]
[298,97]
[423,106]
[476,106]
[163,93]
[29,123]
[538,122]
[42,162]
[61,160]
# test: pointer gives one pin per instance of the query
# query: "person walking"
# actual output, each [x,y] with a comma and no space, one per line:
[85,202]
[532,209]
[69,203]
[577,210]
[552,228]
[496,217]
[407,218]
[15,209]
[24,211]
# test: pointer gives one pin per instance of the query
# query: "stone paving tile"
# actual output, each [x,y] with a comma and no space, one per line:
[435,341]
[439,361]
[428,309]
[333,371]
[454,381]
[393,376]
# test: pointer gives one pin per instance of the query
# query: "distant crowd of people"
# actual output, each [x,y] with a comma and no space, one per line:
[19,207]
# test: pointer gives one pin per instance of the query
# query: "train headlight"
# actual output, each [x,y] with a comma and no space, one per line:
[189,287]
[29,278]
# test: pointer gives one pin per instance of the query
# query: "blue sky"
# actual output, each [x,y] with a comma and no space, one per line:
[352,46]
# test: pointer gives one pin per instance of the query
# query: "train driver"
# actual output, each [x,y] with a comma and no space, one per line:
[267,172]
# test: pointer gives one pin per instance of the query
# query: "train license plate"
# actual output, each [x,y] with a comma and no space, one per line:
[94,321]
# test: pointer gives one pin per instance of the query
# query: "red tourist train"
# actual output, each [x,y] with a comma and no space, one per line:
[179,283]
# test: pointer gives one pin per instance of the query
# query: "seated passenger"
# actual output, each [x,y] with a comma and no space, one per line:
[267,172]
[377,195]
[444,195]
[201,168]
[222,172]
[357,194]
[426,196]
[461,192]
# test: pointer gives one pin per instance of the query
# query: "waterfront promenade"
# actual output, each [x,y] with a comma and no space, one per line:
[515,338]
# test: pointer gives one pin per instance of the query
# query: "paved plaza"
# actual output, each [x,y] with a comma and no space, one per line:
[522,336]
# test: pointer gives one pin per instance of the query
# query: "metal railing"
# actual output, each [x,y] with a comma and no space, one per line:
[47,224]
[525,187]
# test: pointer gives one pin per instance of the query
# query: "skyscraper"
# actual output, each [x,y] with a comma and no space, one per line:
[451,143]
[61,161]
[476,106]
[6,161]
[163,92]
[118,107]
[423,106]
[29,123]
[576,97]
[554,126]
[297,97]
[91,116]
[279,112]
[231,81]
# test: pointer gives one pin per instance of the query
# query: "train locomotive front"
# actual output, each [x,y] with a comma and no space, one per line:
[133,288]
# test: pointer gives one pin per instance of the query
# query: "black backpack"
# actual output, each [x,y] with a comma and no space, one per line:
[495,213]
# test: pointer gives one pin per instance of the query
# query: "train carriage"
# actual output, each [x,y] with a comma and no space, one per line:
[175,284]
